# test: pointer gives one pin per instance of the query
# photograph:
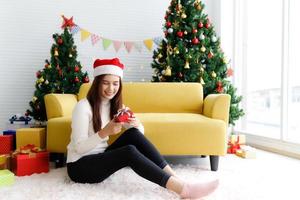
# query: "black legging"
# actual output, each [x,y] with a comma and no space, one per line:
[130,149]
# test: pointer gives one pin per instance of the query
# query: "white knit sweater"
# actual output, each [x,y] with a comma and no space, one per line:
[84,141]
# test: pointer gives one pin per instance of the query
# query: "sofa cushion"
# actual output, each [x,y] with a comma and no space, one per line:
[184,133]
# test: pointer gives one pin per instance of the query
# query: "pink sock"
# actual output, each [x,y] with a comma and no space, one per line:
[198,190]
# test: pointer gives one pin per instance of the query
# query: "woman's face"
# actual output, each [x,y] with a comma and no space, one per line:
[110,85]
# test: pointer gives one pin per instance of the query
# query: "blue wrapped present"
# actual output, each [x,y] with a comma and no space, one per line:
[13,133]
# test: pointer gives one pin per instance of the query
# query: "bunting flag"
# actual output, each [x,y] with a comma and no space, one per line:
[117,44]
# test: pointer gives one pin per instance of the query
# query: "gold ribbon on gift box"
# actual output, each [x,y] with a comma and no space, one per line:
[29,149]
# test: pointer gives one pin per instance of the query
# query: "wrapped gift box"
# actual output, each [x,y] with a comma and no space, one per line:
[7,178]
[6,144]
[27,164]
[35,136]
[13,133]
[246,152]
[5,160]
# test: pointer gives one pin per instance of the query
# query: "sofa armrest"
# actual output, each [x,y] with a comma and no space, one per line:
[59,105]
[217,106]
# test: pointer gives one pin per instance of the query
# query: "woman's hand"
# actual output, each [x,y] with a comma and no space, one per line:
[133,121]
[112,128]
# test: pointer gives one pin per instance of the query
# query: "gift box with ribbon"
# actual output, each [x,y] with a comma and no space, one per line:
[13,133]
[36,136]
[246,152]
[7,178]
[123,115]
[5,160]
[6,144]
[30,159]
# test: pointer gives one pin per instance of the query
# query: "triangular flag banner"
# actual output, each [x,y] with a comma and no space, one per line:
[84,35]
[95,39]
[148,43]
[106,43]
[157,40]
[138,46]
[75,29]
[117,45]
[128,46]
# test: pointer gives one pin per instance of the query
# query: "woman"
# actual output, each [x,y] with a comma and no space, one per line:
[91,160]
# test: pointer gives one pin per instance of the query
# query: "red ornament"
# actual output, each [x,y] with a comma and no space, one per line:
[210,55]
[200,25]
[219,87]
[168,24]
[59,41]
[67,22]
[76,69]
[180,34]
[76,79]
[38,74]
[229,72]
[195,41]
[46,65]
[166,16]
[86,79]
[207,25]
[195,30]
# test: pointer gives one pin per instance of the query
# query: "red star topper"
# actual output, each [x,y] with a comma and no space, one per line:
[67,22]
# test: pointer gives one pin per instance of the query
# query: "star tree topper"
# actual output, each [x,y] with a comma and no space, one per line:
[67,22]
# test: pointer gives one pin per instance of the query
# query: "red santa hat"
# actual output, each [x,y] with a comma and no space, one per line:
[108,66]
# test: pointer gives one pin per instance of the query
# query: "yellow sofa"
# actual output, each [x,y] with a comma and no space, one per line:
[177,120]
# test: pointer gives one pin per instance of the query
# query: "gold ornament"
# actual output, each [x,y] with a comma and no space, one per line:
[176,50]
[159,56]
[70,55]
[176,24]
[185,32]
[187,65]
[34,98]
[55,52]
[203,49]
[46,82]
[168,71]
[41,80]
[224,60]
[201,69]
[202,81]
[169,49]
[213,74]
[183,15]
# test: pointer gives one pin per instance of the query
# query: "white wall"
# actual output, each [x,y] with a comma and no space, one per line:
[26,29]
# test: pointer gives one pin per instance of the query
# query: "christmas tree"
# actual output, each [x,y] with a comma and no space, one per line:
[62,74]
[191,52]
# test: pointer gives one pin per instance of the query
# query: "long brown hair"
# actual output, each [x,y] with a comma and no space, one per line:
[94,98]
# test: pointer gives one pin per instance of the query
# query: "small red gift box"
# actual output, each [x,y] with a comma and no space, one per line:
[29,160]
[6,144]
[123,115]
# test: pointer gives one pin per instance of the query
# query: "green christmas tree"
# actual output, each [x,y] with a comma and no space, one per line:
[191,52]
[61,75]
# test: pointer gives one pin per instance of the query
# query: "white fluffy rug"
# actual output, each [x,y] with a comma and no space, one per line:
[267,177]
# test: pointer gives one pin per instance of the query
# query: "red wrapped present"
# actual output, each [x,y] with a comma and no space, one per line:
[29,160]
[6,144]
[233,146]
[123,115]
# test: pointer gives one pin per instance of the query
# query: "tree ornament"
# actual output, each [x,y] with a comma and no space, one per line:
[67,22]
[46,65]
[86,79]
[76,68]
[38,74]
[176,50]
[180,75]
[168,24]
[213,38]
[210,55]
[201,37]
[202,81]
[195,40]
[229,72]
[195,31]
[60,72]
[219,87]
[70,55]
[203,49]
[159,55]
[170,30]
[213,74]
[46,82]
[183,16]
[200,25]
[180,34]
[59,41]
[187,65]
[179,7]
[55,52]
[207,25]
[41,80]
[202,69]
[34,98]
[168,71]
[176,24]
[198,7]
[76,80]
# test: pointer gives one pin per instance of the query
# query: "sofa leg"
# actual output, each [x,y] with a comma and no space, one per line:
[214,162]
